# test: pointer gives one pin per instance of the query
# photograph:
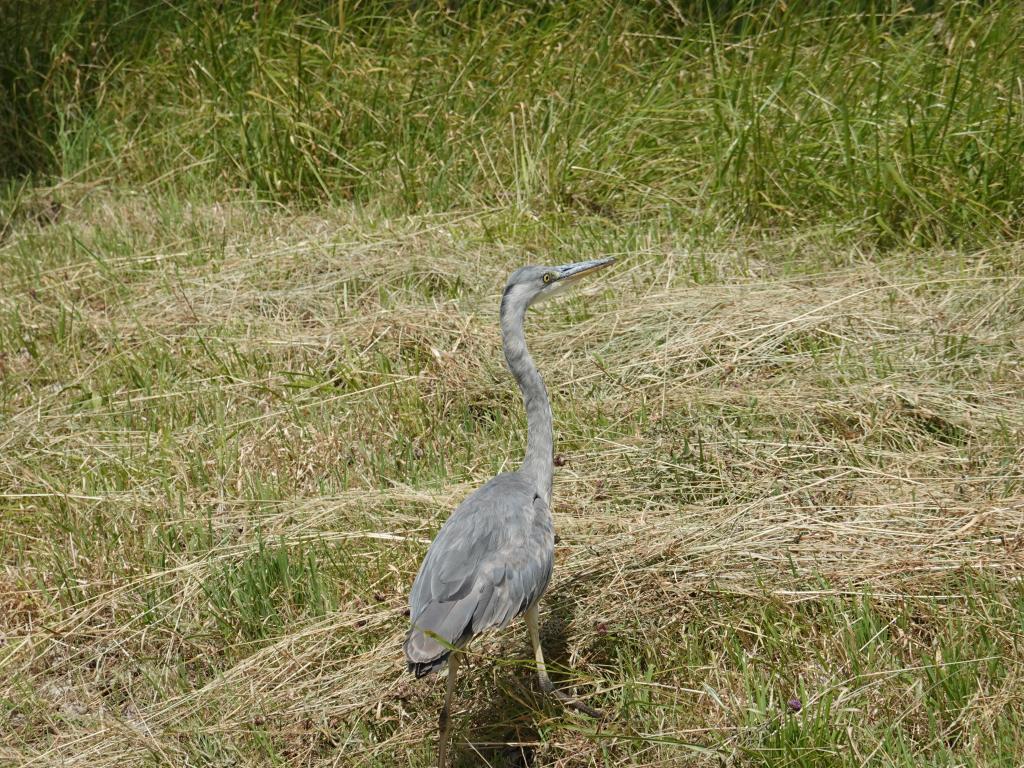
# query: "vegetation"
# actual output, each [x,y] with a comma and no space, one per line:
[250,259]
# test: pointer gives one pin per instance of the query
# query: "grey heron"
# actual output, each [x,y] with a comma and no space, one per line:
[492,559]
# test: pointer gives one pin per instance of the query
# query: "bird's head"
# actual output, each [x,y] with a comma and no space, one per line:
[529,285]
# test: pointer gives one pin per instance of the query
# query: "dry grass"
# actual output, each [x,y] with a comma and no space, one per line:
[228,434]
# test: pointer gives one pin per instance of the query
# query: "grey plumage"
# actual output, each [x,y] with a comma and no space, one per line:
[492,559]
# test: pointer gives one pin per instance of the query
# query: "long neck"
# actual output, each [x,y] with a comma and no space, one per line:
[538,462]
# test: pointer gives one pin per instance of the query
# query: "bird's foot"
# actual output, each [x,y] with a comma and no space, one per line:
[578,705]
[568,701]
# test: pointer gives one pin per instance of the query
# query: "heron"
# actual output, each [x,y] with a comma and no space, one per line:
[492,559]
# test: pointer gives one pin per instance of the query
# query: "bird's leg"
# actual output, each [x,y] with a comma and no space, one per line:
[532,622]
[444,720]
[545,682]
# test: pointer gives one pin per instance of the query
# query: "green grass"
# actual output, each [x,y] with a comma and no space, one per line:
[249,361]
[897,125]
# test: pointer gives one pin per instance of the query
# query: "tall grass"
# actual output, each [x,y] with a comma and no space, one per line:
[903,125]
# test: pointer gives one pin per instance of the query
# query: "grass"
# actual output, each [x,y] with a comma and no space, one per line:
[900,125]
[249,362]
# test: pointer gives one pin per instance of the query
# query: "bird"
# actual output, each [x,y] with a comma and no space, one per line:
[491,561]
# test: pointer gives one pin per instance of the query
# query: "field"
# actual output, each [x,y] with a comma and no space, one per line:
[250,263]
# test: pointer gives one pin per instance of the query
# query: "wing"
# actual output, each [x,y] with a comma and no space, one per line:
[491,560]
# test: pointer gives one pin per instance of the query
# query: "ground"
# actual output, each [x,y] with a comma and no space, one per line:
[789,480]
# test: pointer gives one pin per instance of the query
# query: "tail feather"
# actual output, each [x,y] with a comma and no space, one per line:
[436,630]
[424,654]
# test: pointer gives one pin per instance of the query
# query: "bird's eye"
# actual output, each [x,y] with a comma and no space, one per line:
[548,277]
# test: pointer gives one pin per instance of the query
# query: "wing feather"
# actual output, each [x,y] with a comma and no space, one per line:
[490,561]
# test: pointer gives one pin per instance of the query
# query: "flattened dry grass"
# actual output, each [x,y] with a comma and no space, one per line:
[791,479]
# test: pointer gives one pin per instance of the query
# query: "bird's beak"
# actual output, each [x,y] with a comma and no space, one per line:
[570,273]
